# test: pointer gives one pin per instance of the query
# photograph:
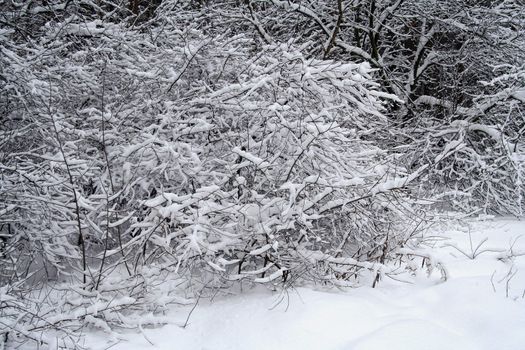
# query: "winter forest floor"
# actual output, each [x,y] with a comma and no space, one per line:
[480,306]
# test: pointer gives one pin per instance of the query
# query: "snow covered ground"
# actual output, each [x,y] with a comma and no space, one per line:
[481,306]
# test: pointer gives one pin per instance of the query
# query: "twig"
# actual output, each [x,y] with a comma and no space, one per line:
[191,311]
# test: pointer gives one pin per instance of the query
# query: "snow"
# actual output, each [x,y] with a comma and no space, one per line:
[519,95]
[480,306]
[261,250]
[260,163]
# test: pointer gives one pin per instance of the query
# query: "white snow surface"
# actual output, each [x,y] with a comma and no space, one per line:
[481,306]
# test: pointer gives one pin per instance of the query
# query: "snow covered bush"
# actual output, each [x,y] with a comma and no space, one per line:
[149,154]
[260,176]
[132,154]
[451,63]
[480,149]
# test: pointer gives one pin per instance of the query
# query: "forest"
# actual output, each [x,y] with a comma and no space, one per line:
[154,153]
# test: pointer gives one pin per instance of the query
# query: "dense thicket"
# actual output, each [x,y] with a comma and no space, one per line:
[157,151]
